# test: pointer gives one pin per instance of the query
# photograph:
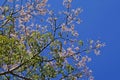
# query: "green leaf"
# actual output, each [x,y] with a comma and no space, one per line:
[69,68]
[80,42]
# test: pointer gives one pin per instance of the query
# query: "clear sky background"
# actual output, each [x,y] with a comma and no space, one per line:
[101,20]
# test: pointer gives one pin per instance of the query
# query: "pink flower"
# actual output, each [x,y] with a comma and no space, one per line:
[70,51]
[77,48]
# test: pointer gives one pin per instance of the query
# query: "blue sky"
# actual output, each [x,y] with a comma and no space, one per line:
[101,21]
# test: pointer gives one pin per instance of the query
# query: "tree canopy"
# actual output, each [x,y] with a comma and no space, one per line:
[38,44]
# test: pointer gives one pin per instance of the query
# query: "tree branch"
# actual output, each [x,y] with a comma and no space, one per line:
[20,76]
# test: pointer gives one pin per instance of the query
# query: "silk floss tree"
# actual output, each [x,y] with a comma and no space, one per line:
[37,43]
